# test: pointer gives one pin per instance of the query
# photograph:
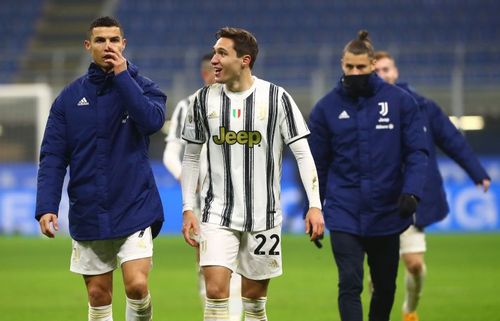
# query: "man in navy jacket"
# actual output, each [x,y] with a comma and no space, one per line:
[99,126]
[369,146]
[433,206]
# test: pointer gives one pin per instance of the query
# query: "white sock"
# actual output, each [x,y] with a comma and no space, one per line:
[102,313]
[255,309]
[139,310]
[414,285]
[235,303]
[216,309]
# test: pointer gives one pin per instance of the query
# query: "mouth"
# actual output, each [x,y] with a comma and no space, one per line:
[217,71]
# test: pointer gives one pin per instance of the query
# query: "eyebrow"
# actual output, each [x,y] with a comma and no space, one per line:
[113,38]
[219,49]
[357,66]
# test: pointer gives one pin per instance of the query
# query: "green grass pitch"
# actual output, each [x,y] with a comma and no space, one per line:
[463,281]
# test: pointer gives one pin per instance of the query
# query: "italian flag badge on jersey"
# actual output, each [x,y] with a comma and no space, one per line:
[236,113]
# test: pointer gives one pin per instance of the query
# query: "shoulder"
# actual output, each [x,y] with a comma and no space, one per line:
[72,91]
[183,104]
[213,89]
[396,94]
[144,81]
[267,87]
[330,98]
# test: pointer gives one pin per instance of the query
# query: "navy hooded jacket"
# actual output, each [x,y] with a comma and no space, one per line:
[433,206]
[368,151]
[99,126]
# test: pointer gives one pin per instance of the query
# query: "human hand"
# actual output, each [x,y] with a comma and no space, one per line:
[315,225]
[407,205]
[485,185]
[190,228]
[45,221]
[115,58]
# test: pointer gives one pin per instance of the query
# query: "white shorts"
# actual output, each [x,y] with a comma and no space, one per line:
[254,255]
[412,241]
[102,256]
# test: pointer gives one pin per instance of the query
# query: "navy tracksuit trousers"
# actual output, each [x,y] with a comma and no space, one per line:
[383,259]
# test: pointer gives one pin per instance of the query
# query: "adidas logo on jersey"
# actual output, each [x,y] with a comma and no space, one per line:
[212,115]
[344,115]
[83,102]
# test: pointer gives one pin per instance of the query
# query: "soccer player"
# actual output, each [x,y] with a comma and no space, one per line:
[368,142]
[433,206]
[99,126]
[244,121]
[172,158]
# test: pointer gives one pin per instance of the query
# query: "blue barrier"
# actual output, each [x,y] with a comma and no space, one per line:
[471,210]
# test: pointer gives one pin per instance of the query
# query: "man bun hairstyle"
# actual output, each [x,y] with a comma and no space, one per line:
[361,45]
[244,42]
[105,21]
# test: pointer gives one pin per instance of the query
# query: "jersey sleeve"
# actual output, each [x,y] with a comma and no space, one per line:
[292,123]
[177,120]
[194,127]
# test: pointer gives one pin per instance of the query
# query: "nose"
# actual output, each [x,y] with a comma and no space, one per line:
[355,71]
[214,59]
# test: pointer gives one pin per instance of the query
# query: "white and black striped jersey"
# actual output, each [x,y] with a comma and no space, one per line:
[245,133]
[177,120]
[172,157]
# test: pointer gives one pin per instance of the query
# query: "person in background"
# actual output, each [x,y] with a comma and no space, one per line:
[433,206]
[368,142]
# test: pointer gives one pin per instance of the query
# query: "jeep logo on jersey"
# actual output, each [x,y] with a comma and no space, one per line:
[242,137]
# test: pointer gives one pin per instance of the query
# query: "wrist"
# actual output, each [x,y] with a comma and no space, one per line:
[120,68]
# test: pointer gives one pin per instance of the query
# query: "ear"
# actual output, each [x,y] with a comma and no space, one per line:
[246,59]
[124,43]
[86,44]
[372,64]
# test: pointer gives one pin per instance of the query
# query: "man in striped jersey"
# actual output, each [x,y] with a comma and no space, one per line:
[244,121]
[172,158]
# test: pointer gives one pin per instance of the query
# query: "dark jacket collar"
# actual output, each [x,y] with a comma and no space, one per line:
[97,76]
[374,82]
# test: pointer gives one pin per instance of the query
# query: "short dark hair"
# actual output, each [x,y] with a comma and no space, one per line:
[105,21]
[361,45]
[244,42]
[383,54]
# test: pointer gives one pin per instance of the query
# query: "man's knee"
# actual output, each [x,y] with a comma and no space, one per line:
[415,267]
[351,281]
[216,290]
[99,295]
[137,289]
